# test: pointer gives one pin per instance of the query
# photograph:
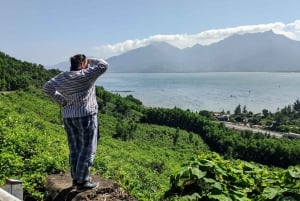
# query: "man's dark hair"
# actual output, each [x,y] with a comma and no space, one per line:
[76,60]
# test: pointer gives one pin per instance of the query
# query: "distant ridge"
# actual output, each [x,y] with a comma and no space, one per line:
[251,52]
[63,66]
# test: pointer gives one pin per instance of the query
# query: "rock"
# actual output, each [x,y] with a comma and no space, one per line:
[59,189]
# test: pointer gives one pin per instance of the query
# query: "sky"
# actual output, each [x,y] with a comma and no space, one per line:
[48,32]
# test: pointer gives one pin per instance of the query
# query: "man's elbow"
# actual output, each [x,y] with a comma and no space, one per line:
[103,63]
[47,88]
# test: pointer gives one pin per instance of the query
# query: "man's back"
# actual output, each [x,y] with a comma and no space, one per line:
[75,90]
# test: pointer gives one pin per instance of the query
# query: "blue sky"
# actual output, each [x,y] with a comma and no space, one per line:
[50,31]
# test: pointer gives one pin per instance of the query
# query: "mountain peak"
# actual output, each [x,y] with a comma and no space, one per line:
[161,44]
[259,52]
[266,34]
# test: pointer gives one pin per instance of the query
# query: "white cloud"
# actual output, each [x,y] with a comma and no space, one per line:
[291,30]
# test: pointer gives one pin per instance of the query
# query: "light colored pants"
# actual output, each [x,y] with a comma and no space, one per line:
[82,135]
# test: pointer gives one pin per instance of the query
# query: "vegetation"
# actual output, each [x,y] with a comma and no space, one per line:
[233,144]
[141,148]
[284,120]
[16,74]
[33,144]
[210,177]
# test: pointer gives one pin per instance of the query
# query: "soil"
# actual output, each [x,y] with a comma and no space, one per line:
[59,189]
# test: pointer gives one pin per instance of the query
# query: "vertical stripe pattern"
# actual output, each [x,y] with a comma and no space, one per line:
[75,90]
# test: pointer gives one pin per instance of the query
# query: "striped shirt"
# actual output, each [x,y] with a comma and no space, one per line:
[75,90]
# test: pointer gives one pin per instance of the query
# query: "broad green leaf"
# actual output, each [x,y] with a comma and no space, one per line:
[236,171]
[219,186]
[270,181]
[249,167]
[209,180]
[194,196]
[238,195]
[219,195]
[294,172]
[198,173]
[183,172]
[237,198]
[220,170]
[270,193]
[206,163]
[215,184]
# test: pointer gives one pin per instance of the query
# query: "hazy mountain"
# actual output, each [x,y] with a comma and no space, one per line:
[63,66]
[249,52]
[265,51]
[156,57]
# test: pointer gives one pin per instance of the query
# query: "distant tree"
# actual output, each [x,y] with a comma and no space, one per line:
[279,120]
[238,110]
[296,105]
[238,118]
[250,114]
[255,119]
[206,113]
[245,110]
[121,106]
[133,99]
[265,113]
[125,129]
[287,110]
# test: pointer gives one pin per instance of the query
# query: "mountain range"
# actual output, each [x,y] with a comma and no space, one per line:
[251,52]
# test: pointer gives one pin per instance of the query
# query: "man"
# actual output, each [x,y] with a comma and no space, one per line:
[74,90]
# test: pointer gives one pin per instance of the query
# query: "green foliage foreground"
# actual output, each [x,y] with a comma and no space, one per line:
[210,177]
[33,145]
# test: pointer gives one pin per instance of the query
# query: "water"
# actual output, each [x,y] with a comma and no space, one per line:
[213,91]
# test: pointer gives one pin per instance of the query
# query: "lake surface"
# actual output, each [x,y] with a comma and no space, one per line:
[213,91]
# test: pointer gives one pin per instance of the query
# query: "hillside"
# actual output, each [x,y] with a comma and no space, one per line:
[16,74]
[148,151]
[33,143]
